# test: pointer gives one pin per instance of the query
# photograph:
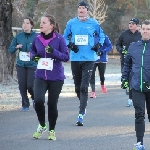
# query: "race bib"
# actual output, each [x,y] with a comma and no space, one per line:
[45,63]
[81,39]
[24,56]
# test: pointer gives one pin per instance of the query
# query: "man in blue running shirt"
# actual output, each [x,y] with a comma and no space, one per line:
[79,34]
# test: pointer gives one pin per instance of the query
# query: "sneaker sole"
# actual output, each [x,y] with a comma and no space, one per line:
[93,97]
[39,136]
[79,124]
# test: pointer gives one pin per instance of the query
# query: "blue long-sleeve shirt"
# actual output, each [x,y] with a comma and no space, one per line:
[82,32]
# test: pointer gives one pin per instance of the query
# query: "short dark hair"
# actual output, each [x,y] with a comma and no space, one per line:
[147,22]
[30,19]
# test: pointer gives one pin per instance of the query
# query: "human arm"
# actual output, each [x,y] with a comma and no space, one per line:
[14,46]
[126,71]
[33,52]
[107,46]
[119,43]
[99,38]
[61,54]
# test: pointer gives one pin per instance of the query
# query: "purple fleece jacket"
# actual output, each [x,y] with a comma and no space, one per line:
[59,54]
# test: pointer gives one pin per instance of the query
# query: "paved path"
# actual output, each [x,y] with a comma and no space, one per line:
[108,124]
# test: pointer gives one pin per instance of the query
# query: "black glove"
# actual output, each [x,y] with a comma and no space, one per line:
[124,84]
[49,49]
[36,58]
[96,47]
[73,47]
[99,53]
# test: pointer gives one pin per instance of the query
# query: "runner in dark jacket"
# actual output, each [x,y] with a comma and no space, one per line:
[137,61]
[25,67]
[122,45]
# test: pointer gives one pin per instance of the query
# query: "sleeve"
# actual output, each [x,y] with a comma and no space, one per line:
[33,50]
[107,45]
[100,33]
[67,33]
[62,54]
[12,47]
[127,67]
[119,43]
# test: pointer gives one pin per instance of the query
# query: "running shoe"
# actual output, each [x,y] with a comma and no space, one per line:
[40,130]
[129,103]
[25,109]
[51,135]
[80,120]
[138,146]
[104,89]
[93,95]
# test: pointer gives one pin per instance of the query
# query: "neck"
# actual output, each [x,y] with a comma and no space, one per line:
[27,31]
[81,18]
[133,30]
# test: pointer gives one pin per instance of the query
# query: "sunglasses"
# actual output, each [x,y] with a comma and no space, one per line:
[132,23]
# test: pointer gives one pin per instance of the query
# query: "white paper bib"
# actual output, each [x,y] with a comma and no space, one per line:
[81,39]
[45,63]
[24,56]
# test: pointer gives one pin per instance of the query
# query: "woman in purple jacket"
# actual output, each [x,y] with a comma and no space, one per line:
[49,50]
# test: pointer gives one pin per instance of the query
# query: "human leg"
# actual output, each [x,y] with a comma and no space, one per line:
[139,105]
[87,68]
[77,75]
[22,81]
[129,102]
[54,89]
[92,82]
[30,80]
[102,69]
[40,87]
[148,104]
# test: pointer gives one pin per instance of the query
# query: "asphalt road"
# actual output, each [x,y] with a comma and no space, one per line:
[108,124]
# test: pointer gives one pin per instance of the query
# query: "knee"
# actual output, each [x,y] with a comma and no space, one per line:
[84,89]
[140,114]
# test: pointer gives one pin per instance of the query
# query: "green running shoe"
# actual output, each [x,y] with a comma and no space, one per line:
[39,131]
[51,135]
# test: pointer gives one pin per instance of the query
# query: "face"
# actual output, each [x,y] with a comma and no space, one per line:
[45,25]
[145,32]
[139,28]
[132,25]
[82,11]
[26,26]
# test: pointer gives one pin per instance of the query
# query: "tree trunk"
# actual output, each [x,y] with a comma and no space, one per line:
[6,59]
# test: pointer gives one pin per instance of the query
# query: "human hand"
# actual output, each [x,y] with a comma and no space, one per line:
[19,46]
[124,83]
[73,47]
[49,49]
[96,47]
[36,58]
[124,52]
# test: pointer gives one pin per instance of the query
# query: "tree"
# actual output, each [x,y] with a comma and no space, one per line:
[6,60]
[98,10]
[144,12]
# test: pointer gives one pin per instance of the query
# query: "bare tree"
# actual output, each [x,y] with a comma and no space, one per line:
[6,60]
[98,10]
[19,5]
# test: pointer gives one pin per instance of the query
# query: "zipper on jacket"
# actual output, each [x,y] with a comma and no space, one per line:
[141,80]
